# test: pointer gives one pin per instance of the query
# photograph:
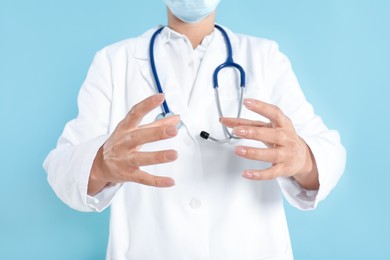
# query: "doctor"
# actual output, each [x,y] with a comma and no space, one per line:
[221,200]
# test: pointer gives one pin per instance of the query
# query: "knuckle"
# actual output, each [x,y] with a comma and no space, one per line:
[113,151]
[258,176]
[160,157]
[131,136]
[122,176]
[250,153]
[262,175]
[281,136]
[135,111]
[132,161]
[278,114]
[287,120]
[142,180]
[159,182]
[279,155]
[295,145]
[121,125]
[275,109]
[161,132]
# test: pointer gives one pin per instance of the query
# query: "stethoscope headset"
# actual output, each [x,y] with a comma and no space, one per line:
[229,63]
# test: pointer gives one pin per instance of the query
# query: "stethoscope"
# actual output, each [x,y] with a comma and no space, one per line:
[229,63]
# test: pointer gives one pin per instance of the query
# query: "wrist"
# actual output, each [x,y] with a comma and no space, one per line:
[95,182]
[307,177]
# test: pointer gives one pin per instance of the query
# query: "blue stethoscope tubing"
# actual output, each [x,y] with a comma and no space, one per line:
[229,63]
[165,107]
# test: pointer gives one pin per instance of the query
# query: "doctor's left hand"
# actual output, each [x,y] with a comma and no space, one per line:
[288,153]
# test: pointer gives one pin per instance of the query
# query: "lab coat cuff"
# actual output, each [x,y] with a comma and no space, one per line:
[103,199]
[330,161]
[296,195]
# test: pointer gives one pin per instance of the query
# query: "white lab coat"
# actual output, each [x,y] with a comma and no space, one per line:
[211,212]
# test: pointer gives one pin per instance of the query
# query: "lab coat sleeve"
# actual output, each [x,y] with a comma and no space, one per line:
[325,145]
[68,165]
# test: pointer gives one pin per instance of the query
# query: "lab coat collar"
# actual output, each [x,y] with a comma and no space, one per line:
[142,46]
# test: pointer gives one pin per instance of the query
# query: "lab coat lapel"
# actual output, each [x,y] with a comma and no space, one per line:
[141,54]
[166,72]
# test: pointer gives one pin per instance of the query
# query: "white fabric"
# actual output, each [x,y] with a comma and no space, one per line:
[211,212]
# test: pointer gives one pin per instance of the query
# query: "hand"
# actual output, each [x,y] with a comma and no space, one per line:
[288,153]
[119,159]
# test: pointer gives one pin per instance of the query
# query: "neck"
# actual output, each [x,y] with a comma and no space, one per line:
[195,32]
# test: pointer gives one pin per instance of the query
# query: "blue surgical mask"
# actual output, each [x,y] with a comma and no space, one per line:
[192,11]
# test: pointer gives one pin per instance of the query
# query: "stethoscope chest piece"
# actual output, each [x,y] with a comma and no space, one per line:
[165,115]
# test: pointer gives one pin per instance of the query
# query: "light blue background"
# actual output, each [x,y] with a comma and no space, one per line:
[340,53]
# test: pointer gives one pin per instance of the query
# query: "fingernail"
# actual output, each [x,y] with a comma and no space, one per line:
[241,150]
[171,130]
[247,174]
[240,131]
[168,182]
[249,102]
[170,155]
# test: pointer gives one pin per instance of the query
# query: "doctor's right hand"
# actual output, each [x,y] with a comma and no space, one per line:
[119,159]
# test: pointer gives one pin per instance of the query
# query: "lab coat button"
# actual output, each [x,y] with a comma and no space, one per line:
[191,63]
[195,203]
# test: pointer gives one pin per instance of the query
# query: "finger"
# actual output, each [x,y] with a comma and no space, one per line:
[139,110]
[170,120]
[270,173]
[276,136]
[138,159]
[233,122]
[272,112]
[272,155]
[142,136]
[151,180]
